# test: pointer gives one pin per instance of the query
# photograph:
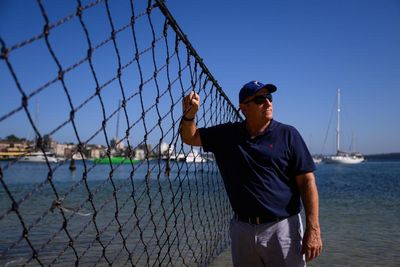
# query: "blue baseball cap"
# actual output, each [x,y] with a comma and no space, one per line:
[251,88]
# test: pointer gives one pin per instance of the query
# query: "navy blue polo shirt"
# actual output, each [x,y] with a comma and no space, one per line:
[259,173]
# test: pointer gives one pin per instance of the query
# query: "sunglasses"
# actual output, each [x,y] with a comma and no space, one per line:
[260,99]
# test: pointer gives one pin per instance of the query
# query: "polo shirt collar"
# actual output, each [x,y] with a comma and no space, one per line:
[270,128]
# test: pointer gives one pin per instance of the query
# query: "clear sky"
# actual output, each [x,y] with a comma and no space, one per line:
[308,49]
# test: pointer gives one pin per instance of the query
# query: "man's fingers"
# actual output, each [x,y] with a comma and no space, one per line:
[193,97]
[187,101]
[190,104]
[312,253]
[308,255]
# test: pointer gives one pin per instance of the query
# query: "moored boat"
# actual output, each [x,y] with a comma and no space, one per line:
[317,160]
[115,160]
[195,157]
[172,155]
[342,157]
[39,157]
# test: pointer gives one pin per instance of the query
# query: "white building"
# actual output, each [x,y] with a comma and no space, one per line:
[140,154]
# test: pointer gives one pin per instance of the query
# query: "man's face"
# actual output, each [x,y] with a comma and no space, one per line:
[258,106]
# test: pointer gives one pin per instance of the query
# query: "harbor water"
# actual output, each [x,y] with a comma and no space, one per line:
[359,215]
[359,210]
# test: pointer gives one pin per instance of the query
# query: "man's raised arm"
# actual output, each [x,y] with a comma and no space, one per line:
[188,129]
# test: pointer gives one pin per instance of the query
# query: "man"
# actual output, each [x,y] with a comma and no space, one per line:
[267,171]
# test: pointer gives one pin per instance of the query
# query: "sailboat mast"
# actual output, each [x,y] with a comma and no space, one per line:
[338,122]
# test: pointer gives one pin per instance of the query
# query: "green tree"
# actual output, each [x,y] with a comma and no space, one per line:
[12,138]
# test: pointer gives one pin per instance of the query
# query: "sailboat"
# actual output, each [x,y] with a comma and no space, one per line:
[342,157]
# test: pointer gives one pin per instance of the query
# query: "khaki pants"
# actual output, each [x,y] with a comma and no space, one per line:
[272,244]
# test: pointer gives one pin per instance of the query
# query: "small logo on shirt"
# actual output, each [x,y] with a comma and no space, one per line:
[271,146]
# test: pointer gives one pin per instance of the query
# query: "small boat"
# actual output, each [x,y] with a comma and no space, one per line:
[39,157]
[115,160]
[172,155]
[177,157]
[195,157]
[317,159]
[78,156]
[342,157]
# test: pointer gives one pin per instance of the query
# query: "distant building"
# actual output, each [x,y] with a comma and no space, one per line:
[70,150]
[140,154]
[94,151]
[17,147]
[147,149]
[63,150]
[117,144]
[13,146]
[4,145]
[11,149]
[162,149]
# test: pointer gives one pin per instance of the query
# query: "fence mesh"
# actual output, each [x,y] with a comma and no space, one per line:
[108,76]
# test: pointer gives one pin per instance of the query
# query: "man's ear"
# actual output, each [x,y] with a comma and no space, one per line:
[242,108]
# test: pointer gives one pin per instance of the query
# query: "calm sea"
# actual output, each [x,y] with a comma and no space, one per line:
[359,215]
[359,210]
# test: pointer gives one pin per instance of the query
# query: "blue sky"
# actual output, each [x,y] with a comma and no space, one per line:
[308,49]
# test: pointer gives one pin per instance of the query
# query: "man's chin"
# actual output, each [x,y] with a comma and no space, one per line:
[268,115]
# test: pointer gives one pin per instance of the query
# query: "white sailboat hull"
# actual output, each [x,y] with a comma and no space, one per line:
[177,157]
[197,159]
[317,160]
[343,159]
[38,159]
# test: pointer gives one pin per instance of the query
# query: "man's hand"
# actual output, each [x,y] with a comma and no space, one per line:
[312,243]
[190,105]
[189,133]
